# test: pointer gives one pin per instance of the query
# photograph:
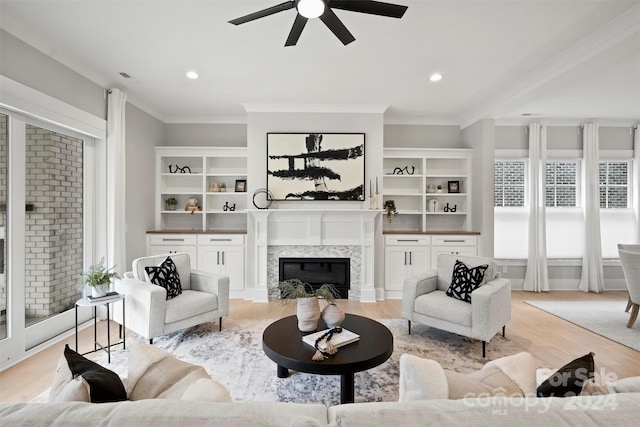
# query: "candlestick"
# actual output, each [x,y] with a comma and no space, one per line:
[370,189]
[376,185]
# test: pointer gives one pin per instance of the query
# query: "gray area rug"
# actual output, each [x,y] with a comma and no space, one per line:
[606,318]
[235,358]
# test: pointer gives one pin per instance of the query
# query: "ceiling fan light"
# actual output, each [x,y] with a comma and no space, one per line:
[310,8]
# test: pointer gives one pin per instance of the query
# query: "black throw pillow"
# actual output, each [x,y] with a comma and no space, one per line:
[104,385]
[568,380]
[166,275]
[465,280]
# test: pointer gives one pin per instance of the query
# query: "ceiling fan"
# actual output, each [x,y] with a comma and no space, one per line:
[308,9]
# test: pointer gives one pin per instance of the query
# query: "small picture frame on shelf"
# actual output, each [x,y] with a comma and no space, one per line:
[454,186]
[241,185]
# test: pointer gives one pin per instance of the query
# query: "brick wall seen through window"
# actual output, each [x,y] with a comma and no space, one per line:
[561,188]
[509,183]
[614,184]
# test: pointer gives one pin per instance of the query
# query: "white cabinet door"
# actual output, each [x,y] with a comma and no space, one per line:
[223,255]
[463,245]
[402,262]
[158,244]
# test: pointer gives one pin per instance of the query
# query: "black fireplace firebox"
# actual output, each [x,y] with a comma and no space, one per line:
[317,271]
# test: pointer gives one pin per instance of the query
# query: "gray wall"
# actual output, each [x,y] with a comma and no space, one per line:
[205,135]
[422,136]
[143,133]
[24,64]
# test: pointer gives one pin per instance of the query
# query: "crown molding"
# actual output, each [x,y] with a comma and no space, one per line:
[316,108]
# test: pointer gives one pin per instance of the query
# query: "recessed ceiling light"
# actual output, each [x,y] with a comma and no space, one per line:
[192,75]
[435,77]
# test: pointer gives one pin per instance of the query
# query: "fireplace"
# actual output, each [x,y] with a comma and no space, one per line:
[317,271]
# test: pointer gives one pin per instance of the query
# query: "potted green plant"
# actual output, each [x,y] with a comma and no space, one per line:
[171,203]
[390,208]
[307,299]
[439,188]
[98,278]
[223,187]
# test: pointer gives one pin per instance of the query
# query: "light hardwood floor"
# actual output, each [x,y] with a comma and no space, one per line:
[551,340]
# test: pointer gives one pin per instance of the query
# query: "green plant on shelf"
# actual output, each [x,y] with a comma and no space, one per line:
[390,208]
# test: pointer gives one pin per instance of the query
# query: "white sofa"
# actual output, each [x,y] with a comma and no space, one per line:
[424,301]
[608,410]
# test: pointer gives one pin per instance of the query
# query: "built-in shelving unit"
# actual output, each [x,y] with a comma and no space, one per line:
[411,178]
[208,174]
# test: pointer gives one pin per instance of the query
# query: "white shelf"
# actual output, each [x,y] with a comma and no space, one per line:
[432,167]
[209,166]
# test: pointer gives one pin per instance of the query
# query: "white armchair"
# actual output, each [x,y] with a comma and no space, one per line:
[630,260]
[424,300]
[204,298]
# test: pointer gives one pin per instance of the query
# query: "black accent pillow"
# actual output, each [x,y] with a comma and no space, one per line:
[465,280]
[568,380]
[166,275]
[104,385]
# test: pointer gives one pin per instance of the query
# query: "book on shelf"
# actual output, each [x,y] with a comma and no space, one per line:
[105,297]
[338,340]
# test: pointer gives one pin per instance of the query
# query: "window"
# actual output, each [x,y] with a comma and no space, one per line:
[509,183]
[561,189]
[614,185]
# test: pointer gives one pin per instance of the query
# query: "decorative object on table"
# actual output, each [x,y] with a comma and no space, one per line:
[171,203]
[327,342]
[448,209]
[223,187]
[404,170]
[262,198]
[99,278]
[332,315]
[178,169]
[433,205]
[307,298]
[390,208]
[431,188]
[439,190]
[192,205]
[241,185]
[454,186]
[214,187]
[315,166]
[226,207]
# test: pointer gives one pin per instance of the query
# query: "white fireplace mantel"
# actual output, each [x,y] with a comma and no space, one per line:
[312,227]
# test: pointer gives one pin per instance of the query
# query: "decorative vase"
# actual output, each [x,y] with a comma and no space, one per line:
[171,207]
[308,312]
[332,315]
[100,291]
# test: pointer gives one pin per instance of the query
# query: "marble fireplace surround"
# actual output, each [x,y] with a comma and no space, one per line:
[312,233]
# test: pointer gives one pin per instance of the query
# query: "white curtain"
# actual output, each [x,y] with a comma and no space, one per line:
[592,275]
[116,219]
[536,278]
[636,180]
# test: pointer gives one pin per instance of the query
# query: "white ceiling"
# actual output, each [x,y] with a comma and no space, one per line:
[562,59]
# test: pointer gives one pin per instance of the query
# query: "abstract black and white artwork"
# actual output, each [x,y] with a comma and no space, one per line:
[315,166]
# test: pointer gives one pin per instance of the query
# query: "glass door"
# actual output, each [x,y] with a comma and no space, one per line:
[44,239]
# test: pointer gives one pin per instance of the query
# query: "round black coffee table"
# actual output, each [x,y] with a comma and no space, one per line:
[282,343]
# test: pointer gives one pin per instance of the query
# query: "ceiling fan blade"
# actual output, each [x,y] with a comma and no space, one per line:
[296,30]
[370,7]
[336,26]
[265,12]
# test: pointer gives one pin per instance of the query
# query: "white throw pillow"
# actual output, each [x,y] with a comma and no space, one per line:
[154,373]
[207,390]
[65,388]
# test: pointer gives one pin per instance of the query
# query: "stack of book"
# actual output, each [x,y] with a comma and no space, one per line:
[105,297]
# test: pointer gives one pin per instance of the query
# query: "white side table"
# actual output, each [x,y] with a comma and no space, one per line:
[83,302]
